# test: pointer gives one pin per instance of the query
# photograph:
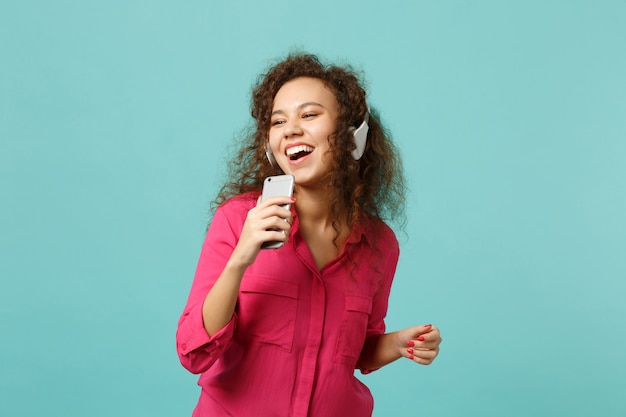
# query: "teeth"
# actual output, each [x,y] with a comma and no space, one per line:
[300,148]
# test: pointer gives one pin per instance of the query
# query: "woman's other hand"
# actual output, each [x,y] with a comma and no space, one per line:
[419,343]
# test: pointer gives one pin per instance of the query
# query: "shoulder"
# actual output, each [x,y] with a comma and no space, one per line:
[235,208]
[239,202]
[375,226]
[380,234]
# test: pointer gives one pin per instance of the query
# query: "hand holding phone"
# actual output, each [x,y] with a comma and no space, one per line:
[277,186]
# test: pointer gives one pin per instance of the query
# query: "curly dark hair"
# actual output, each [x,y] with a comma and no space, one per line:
[373,185]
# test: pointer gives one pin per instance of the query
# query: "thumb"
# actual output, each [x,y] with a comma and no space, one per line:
[422,329]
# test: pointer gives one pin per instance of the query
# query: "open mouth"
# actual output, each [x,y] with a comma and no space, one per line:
[296,152]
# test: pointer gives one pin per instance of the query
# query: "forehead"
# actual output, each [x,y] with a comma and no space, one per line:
[304,90]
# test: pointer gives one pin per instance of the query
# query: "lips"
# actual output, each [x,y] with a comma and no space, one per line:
[297,152]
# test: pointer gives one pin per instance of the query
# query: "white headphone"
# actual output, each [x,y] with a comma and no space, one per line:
[360,135]
[360,139]
[270,155]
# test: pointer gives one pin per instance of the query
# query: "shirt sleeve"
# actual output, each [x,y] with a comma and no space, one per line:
[380,302]
[197,350]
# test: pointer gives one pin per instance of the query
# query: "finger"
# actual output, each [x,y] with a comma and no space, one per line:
[423,360]
[418,341]
[426,328]
[426,342]
[426,354]
[259,222]
[275,235]
[418,333]
[432,336]
[277,201]
[425,331]
[263,211]
[423,346]
[277,222]
[423,357]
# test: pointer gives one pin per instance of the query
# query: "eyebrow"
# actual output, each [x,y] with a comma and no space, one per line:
[300,107]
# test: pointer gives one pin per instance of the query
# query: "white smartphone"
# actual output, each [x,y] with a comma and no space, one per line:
[277,186]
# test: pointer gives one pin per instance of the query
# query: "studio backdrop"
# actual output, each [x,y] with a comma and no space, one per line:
[116,122]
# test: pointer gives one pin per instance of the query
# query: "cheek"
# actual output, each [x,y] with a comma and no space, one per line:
[274,146]
[274,140]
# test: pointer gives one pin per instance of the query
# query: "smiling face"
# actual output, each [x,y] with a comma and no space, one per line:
[303,117]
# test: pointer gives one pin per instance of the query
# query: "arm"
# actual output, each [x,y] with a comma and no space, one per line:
[207,325]
[418,343]
[219,305]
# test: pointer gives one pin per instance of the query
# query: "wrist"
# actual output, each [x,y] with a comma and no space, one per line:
[400,344]
[236,266]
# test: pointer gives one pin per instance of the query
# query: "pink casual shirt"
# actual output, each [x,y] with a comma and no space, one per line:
[295,338]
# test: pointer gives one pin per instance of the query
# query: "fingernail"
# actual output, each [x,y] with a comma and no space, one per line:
[428,325]
[421,338]
[410,343]
[409,351]
[411,357]
[293,199]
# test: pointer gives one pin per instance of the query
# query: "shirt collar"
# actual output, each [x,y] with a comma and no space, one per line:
[363,229]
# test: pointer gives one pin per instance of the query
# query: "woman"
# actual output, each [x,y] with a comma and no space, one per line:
[280,332]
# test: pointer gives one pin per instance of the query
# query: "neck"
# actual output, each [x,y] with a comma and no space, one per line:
[324,241]
[312,206]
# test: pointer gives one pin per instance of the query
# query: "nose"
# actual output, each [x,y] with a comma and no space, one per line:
[292,128]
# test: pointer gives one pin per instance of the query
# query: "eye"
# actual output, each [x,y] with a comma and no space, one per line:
[277,122]
[309,115]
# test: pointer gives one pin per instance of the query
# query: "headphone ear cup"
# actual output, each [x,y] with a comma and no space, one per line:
[270,155]
[360,139]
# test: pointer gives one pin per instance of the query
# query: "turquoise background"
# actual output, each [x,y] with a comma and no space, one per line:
[115,121]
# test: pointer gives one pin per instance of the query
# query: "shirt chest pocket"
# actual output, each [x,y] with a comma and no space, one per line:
[353,329]
[266,312]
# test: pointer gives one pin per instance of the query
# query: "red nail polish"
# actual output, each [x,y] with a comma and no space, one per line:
[411,357]
[428,325]
[421,338]
[293,199]
[410,343]
[409,351]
